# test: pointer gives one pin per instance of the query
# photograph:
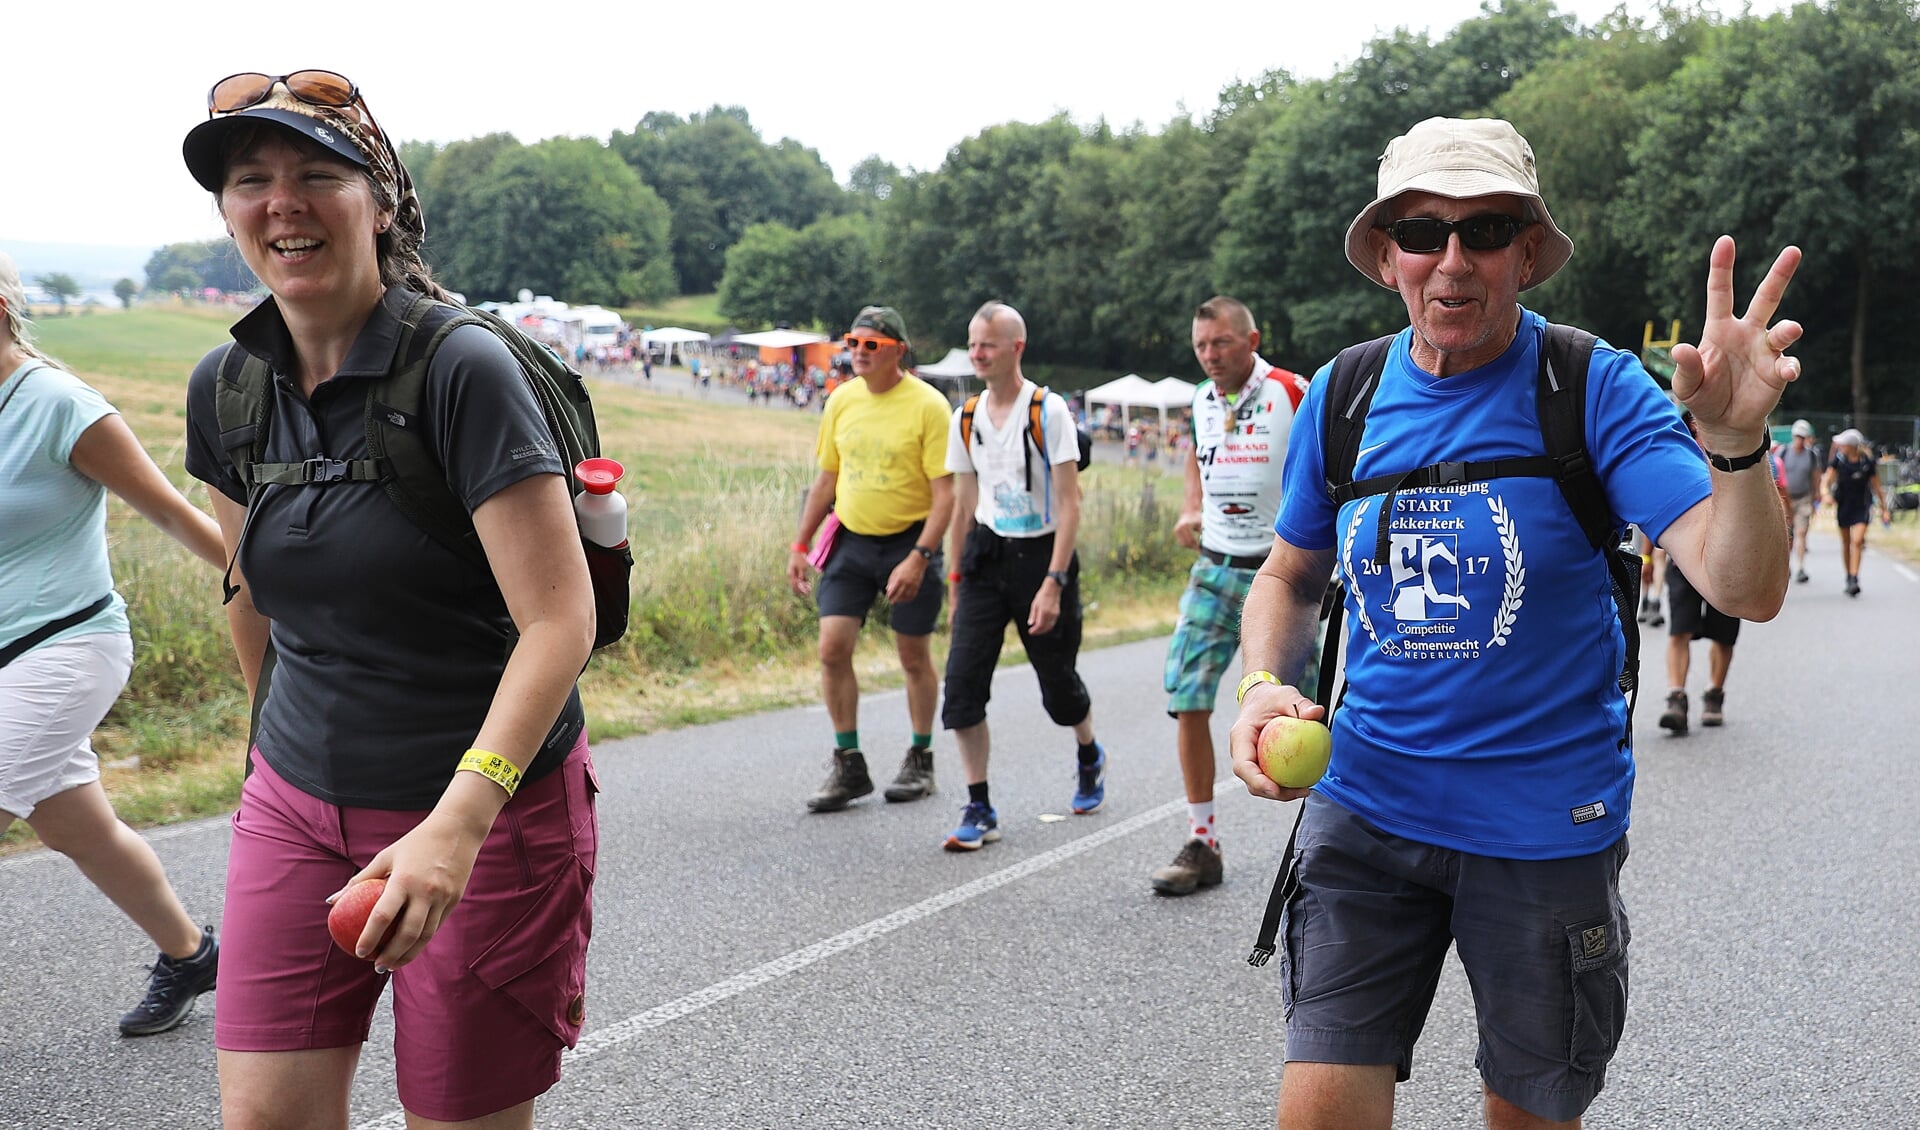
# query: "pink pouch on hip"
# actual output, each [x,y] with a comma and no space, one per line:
[823,541]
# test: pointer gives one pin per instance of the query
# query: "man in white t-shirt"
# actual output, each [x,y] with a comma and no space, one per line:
[1242,415]
[1014,453]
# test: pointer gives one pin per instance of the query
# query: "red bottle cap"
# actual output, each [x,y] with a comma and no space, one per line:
[599,475]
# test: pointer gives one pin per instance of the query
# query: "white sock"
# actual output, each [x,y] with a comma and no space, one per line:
[1201,815]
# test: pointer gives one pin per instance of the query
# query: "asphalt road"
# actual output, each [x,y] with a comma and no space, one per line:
[757,966]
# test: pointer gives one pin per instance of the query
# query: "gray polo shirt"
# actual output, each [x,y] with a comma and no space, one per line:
[388,646]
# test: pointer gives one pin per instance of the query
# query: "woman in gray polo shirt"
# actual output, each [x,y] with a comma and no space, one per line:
[418,721]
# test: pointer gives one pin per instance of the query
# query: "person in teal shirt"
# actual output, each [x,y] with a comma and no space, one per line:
[65,650]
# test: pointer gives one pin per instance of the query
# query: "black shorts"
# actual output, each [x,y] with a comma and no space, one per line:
[857,573]
[1690,615]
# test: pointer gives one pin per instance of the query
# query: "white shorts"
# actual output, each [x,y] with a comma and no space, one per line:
[51,698]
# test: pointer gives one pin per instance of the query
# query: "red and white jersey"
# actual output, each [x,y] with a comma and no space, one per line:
[1240,447]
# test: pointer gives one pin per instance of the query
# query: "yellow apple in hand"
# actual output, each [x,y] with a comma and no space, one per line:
[1294,751]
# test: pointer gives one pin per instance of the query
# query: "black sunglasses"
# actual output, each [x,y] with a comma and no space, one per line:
[1424,235]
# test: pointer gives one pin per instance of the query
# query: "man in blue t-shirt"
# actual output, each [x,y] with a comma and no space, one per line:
[1481,774]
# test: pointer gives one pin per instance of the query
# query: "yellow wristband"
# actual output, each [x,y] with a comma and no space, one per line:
[491,766]
[1253,677]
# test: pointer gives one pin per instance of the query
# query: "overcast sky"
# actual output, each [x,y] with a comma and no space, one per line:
[96,113]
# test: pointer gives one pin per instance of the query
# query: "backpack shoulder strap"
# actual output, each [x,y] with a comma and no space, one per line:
[243,409]
[1351,383]
[966,419]
[1562,404]
[1036,416]
[397,431]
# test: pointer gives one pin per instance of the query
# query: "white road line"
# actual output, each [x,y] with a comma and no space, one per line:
[633,1027]
[1909,574]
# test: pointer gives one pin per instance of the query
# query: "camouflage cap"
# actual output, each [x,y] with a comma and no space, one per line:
[883,319]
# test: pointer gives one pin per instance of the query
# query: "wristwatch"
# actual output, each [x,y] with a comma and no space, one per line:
[924,552]
[1058,577]
[1254,677]
[1742,462]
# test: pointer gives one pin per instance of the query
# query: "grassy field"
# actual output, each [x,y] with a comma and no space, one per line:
[713,488]
[688,311]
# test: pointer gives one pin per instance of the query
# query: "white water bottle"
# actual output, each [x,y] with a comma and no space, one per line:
[599,507]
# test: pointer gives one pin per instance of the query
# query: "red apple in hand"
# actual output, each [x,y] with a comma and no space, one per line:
[348,918]
[1294,751]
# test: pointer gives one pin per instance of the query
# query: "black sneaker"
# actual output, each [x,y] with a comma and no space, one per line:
[172,989]
[1800,578]
[1712,706]
[1675,718]
[915,779]
[1853,584]
[846,781]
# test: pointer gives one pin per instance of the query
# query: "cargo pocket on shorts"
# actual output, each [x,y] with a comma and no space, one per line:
[1598,952]
[541,960]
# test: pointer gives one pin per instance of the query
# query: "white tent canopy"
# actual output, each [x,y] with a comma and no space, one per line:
[954,364]
[672,337]
[1174,392]
[778,339]
[1130,391]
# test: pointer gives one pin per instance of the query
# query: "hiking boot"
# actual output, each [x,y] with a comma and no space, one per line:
[846,781]
[1090,791]
[1853,584]
[1656,620]
[915,779]
[1675,718]
[1196,866]
[176,983]
[1711,700]
[1800,577]
[979,824]
[1647,609]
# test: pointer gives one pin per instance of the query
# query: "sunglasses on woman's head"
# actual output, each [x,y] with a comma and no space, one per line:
[1424,235]
[869,343]
[316,88]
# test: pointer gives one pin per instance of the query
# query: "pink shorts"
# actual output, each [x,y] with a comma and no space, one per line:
[482,1015]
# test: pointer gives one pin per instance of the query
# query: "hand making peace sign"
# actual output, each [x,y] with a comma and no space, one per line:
[1734,377]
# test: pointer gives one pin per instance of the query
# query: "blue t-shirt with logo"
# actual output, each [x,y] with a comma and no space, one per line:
[1482,711]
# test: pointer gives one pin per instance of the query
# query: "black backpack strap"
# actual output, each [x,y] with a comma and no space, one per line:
[1562,400]
[1354,378]
[243,411]
[396,431]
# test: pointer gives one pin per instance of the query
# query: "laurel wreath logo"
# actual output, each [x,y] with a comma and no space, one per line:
[1516,581]
[1353,579]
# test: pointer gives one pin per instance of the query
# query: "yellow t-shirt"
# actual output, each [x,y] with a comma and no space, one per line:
[887,450]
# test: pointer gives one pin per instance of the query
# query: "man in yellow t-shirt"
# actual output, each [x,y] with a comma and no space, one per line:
[883,474]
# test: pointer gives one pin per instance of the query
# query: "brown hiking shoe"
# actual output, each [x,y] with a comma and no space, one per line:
[846,781]
[1196,866]
[1711,702]
[915,779]
[1675,717]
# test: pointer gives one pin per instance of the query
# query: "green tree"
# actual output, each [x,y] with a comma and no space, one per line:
[124,290]
[174,280]
[1581,113]
[1800,128]
[215,263]
[820,275]
[718,179]
[61,285]
[564,217]
[1282,250]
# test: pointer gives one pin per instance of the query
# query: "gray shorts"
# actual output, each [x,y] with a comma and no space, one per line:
[1544,944]
[856,575]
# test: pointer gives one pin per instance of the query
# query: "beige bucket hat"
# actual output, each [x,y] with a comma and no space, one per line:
[1459,158]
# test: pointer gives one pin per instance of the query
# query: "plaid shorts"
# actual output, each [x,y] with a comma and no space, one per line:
[1208,634]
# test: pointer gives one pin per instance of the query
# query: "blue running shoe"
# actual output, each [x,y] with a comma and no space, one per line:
[979,824]
[1091,791]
